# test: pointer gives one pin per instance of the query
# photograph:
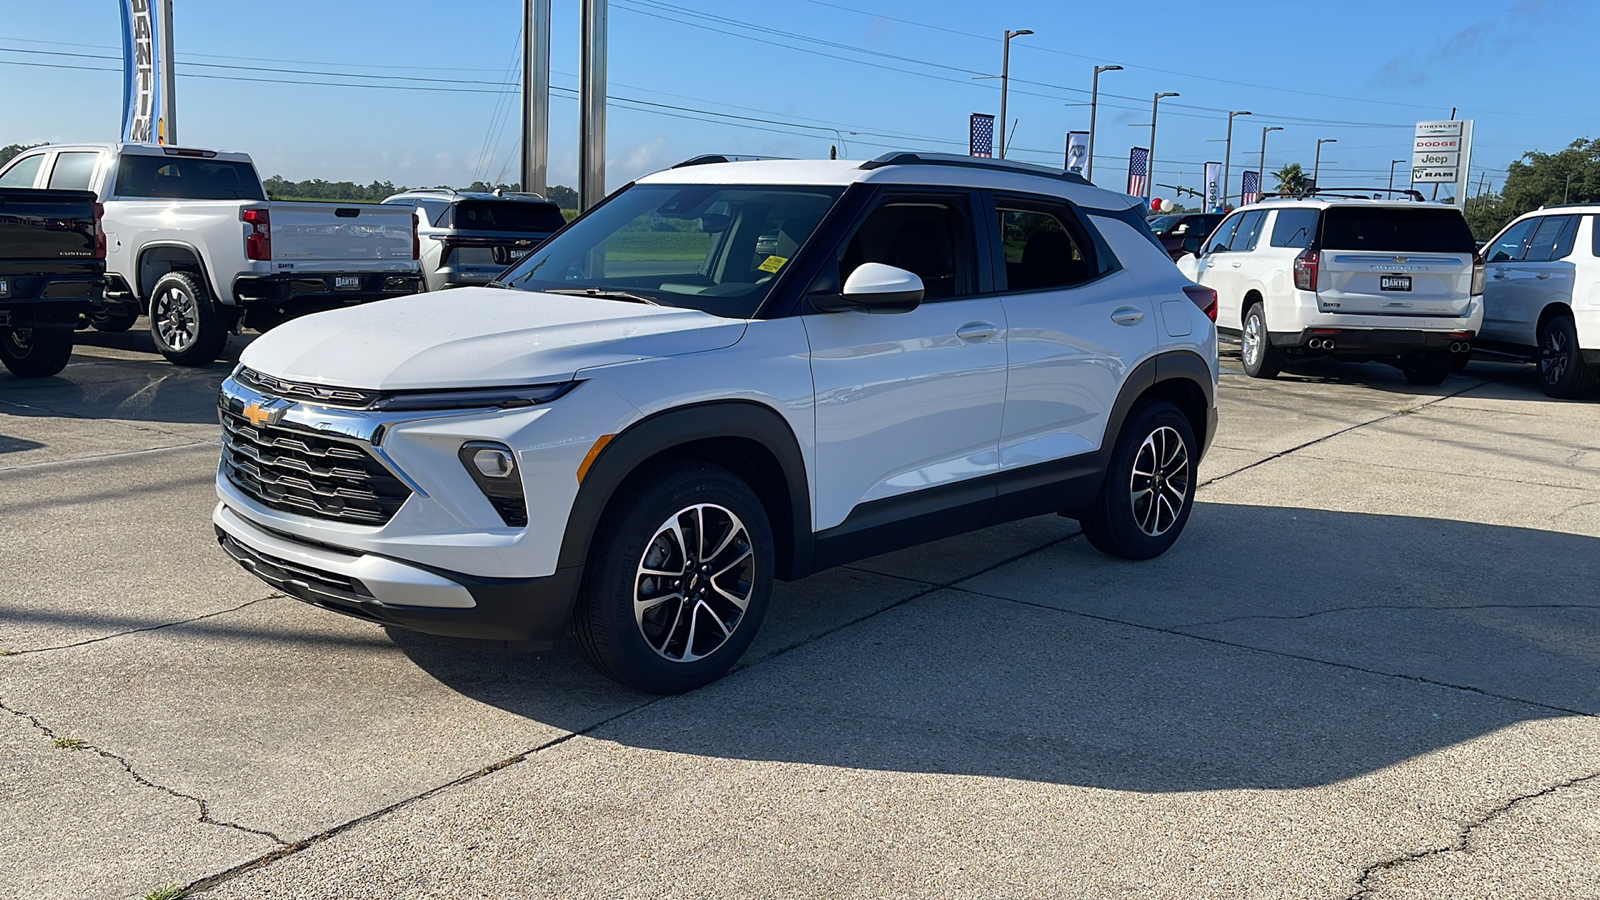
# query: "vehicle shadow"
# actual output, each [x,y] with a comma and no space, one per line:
[1505,379]
[1385,638]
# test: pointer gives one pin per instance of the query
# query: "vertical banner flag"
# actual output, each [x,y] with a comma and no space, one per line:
[1213,187]
[1138,171]
[1077,151]
[1251,187]
[142,103]
[981,135]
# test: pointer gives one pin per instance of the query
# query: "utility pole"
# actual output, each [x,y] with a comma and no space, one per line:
[536,95]
[592,106]
[167,130]
[1150,168]
[1316,169]
[1481,177]
[1392,164]
[1566,192]
[1094,103]
[1005,79]
[1227,156]
[1262,183]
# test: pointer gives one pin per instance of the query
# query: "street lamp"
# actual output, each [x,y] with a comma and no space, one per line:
[1392,164]
[1261,176]
[1005,77]
[1316,168]
[1094,103]
[1150,169]
[1227,156]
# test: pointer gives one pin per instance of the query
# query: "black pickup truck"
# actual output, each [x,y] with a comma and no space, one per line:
[52,270]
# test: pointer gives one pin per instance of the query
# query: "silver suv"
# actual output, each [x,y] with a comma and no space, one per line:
[469,238]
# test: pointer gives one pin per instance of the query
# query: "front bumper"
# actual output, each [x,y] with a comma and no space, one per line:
[1373,341]
[321,287]
[529,613]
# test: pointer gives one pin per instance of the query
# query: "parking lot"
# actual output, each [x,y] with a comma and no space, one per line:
[1371,668]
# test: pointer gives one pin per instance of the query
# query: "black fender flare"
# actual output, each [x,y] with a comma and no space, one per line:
[199,260]
[1170,365]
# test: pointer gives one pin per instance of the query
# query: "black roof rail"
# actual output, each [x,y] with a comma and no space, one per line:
[906,158]
[1361,193]
[708,158]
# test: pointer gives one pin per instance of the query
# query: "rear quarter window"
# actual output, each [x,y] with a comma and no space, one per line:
[1387,229]
[1294,228]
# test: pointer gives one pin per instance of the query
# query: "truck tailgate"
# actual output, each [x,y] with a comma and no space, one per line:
[344,237]
[46,226]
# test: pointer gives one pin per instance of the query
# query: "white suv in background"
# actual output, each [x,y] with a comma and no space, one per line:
[725,373]
[1543,297]
[1344,277]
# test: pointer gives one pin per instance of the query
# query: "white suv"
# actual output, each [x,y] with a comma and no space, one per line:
[1349,278]
[1543,301]
[726,373]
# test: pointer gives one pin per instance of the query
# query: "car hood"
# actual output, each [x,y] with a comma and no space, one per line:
[479,337]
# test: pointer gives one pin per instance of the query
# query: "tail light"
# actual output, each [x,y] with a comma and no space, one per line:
[99,231]
[1203,297]
[1480,278]
[1305,270]
[258,243]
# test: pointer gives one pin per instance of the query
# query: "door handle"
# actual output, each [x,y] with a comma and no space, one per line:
[1127,315]
[973,332]
[1542,276]
[1499,275]
[1237,265]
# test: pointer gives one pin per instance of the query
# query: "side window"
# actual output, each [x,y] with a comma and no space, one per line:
[1542,246]
[22,174]
[1294,228]
[1043,247]
[1219,240]
[1248,232]
[434,210]
[930,235]
[73,171]
[1509,246]
[1569,236]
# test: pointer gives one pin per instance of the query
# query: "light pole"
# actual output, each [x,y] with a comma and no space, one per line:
[1227,156]
[1261,176]
[1094,103]
[1392,164]
[1150,169]
[1316,168]
[1005,77]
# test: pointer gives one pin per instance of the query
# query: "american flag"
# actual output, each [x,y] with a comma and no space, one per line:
[1251,187]
[982,135]
[1138,171]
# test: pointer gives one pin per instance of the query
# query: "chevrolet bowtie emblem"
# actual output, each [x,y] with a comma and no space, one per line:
[1400,259]
[266,412]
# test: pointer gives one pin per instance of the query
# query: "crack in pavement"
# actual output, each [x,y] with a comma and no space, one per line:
[205,807]
[101,457]
[135,424]
[1462,841]
[1394,606]
[106,637]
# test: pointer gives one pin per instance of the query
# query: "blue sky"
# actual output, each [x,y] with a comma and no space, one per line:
[865,75]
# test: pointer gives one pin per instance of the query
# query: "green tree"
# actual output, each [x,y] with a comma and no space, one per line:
[11,151]
[1291,179]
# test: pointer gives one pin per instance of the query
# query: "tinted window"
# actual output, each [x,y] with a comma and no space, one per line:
[1224,234]
[22,174]
[1043,249]
[507,215]
[435,210]
[1511,244]
[1546,238]
[930,236]
[1249,231]
[1160,224]
[1196,226]
[1294,228]
[1396,230]
[72,171]
[186,178]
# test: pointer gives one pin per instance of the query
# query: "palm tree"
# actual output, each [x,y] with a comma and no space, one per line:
[1291,179]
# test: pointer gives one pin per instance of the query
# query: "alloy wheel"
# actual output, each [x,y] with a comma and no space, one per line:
[1159,486]
[21,341]
[177,318]
[694,582]
[1553,356]
[1251,351]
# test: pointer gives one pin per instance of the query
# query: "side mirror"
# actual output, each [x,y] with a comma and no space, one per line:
[1192,245]
[874,288]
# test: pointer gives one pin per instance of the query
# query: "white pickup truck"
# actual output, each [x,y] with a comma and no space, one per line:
[193,242]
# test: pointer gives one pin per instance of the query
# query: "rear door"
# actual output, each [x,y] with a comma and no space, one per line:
[1395,260]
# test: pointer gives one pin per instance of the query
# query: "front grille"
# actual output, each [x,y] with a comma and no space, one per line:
[309,473]
[316,393]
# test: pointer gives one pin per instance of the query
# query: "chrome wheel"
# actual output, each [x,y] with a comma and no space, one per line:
[1160,484]
[176,315]
[694,583]
[1553,356]
[21,341]
[1252,341]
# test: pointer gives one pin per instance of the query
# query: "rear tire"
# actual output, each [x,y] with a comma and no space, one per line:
[188,327]
[1563,374]
[114,320]
[1148,492]
[34,352]
[1260,358]
[678,578]
[1431,370]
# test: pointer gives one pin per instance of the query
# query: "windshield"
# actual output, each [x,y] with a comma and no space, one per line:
[1162,223]
[1391,230]
[715,248]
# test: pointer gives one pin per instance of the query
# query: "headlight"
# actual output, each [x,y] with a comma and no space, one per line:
[476,398]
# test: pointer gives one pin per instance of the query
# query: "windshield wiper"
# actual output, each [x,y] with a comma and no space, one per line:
[603,294]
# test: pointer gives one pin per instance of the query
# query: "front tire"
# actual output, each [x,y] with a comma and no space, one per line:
[1148,492]
[35,353]
[187,326]
[1260,358]
[1563,374]
[678,579]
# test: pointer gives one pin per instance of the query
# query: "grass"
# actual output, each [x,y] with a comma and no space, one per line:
[68,743]
[165,892]
[5,652]
[658,245]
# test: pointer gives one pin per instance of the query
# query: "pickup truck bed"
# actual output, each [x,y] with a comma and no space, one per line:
[52,270]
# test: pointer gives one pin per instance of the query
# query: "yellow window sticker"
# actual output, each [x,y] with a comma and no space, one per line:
[773,263]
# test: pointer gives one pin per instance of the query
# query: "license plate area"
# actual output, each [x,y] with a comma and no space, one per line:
[1394,282]
[353,283]
[5,288]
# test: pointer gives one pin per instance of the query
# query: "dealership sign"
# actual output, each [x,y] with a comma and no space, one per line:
[1441,153]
